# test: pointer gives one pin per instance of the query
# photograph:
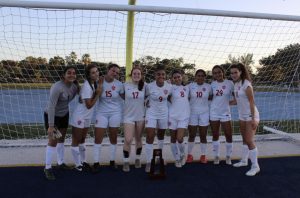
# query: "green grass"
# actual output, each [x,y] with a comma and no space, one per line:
[33,131]
[25,85]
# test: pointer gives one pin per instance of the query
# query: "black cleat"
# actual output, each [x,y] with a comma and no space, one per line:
[96,168]
[49,174]
[113,165]
[63,166]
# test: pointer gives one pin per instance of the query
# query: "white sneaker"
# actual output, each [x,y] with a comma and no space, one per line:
[217,160]
[178,164]
[148,167]
[182,159]
[228,160]
[126,167]
[240,164]
[137,163]
[253,171]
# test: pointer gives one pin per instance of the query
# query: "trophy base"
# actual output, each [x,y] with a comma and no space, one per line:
[157,170]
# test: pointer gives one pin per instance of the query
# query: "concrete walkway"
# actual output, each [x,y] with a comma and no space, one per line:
[35,155]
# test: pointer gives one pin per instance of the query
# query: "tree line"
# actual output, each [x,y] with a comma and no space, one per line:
[278,68]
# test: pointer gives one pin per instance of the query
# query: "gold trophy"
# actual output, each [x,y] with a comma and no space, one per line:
[157,171]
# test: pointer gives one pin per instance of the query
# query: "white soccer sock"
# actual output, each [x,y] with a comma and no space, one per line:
[76,155]
[174,151]
[126,159]
[160,144]
[229,146]
[245,153]
[82,149]
[181,148]
[216,148]
[50,150]
[138,157]
[253,157]
[190,147]
[149,151]
[113,149]
[60,153]
[203,148]
[97,152]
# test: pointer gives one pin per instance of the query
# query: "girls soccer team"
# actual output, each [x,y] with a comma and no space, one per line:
[157,106]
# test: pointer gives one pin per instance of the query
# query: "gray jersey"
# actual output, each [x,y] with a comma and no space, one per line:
[60,96]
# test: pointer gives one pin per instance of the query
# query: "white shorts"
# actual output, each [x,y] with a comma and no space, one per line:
[178,124]
[80,123]
[127,121]
[108,120]
[249,117]
[222,118]
[201,119]
[157,123]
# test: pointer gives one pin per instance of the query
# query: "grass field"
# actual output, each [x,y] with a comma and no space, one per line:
[25,85]
[34,131]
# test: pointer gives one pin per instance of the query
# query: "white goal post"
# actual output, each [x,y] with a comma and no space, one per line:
[39,38]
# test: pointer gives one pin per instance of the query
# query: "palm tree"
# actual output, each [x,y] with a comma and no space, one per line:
[86,59]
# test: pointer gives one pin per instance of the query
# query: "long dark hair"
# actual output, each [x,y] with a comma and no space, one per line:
[200,70]
[87,72]
[244,71]
[176,71]
[219,67]
[111,65]
[67,68]
[141,82]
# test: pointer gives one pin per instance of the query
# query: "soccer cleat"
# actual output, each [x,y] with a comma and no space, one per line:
[178,163]
[228,160]
[182,159]
[63,166]
[148,167]
[78,168]
[203,159]
[253,171]
[126,167]
[49,174]
[240,164]
[216,160]
[96,168]
[137,163]
[190,158]
[113,165]
[86,167]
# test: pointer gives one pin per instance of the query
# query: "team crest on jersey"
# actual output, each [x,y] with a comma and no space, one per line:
[79,122]
[223,87]
[113,87]
[203,89]
[165,92]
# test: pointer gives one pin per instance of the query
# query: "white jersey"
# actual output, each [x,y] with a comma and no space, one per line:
[110,100]
[242,99]
[180,107]
[86,92]
[158,103]
[134,109]
[199,97]
[222,92]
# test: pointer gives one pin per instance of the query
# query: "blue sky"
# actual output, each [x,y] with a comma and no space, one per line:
[202,40]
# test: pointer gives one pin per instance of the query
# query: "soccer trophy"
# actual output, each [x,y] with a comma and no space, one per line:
[157,170]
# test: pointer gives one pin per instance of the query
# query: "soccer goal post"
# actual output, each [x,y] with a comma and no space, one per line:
[38,39]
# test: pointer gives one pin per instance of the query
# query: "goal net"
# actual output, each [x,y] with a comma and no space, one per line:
[37,43]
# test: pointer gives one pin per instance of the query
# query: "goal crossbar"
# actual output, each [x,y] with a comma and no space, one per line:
[156,9]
